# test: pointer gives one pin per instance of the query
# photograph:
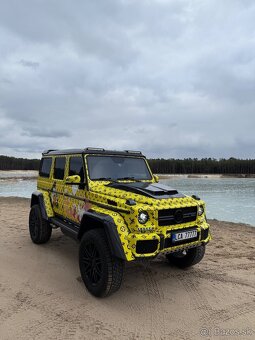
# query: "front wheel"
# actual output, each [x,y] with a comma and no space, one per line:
[100,271]
[187,258]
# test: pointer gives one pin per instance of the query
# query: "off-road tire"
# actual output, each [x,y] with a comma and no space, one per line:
[192,257]
[40,229]
[100,271]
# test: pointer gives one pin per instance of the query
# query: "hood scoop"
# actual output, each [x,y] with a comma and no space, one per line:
[152,190]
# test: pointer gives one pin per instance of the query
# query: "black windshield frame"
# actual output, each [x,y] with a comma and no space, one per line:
[115,167]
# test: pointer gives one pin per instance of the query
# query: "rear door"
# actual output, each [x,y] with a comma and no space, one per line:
[44,180]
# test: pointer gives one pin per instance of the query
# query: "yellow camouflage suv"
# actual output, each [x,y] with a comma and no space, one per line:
[112,204]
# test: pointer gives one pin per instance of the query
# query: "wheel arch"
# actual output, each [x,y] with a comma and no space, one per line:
[43,200]
[92,220]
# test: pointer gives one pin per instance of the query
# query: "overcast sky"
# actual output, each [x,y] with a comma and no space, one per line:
[172,78]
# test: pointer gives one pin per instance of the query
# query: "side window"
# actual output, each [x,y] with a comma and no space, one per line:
[45,167]
[76,167]
[59,168]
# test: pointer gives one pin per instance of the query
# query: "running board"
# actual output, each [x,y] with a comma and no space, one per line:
[67,228]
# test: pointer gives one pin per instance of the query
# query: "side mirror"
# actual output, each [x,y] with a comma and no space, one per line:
[73,179]
[156,178]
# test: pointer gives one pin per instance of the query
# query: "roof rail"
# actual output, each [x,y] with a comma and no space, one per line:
[96,149]
[131,151]
[47,151]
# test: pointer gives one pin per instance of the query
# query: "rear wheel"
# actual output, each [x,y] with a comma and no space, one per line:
[101,272]
[187,258]
[40,229]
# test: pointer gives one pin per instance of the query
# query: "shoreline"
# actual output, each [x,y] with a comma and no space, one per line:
[6,175]
[33,174]
[16,200]
[209,176]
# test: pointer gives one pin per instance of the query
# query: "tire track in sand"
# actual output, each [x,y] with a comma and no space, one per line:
[56,320]
[156,302]
[209,315]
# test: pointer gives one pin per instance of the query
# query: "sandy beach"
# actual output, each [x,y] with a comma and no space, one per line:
[42,295]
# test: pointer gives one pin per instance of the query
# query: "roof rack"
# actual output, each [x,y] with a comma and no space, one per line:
[96,149]
[47,151]
[89,150]
[131,151]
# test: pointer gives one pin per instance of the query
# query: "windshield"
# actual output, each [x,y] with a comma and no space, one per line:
[117,167]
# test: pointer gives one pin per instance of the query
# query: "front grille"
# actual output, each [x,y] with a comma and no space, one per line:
[176,216]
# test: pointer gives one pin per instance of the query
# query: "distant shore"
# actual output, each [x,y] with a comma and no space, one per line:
[32,174]
[18,174]
[212,176]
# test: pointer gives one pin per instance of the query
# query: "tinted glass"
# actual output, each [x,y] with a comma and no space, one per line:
[76,167]
[45,167]
[115,167]
[59,168]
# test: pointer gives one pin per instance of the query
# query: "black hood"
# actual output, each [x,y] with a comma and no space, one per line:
[153,190]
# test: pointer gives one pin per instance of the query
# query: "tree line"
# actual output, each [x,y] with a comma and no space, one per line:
[203,166]
[12,163]
[160,166]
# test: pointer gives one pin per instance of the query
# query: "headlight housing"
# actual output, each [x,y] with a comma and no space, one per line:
[200,210]
[143,217]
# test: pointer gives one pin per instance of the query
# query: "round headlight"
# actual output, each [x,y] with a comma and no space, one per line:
[143,217]
[200,210]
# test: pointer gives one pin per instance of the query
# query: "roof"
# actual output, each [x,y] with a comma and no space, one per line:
[91,150]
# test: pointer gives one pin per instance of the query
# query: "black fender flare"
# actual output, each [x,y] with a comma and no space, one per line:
[37,198]
[110,228]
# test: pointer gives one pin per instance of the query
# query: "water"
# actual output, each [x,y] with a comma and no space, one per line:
[17,183]
[227,199]
[17,187]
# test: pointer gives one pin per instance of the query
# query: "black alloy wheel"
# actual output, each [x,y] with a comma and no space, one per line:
[101,272]
[92,263]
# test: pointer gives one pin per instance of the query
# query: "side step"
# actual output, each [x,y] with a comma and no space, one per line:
[67,228]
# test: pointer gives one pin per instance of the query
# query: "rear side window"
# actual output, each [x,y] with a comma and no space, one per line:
[59,168]
[76,167]
[45,167]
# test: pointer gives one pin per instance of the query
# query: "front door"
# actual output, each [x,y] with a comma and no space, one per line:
[74,194]
[58,184]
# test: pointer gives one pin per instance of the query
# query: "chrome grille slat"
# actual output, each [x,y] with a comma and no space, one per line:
[177,216]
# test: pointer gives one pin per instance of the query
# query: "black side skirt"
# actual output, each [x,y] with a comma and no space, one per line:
[67,228]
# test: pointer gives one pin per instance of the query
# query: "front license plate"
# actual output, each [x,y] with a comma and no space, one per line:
[184,235]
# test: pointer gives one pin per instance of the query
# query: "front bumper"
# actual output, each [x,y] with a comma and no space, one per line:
[151,244]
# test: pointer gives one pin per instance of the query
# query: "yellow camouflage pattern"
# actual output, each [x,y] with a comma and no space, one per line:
[72,202]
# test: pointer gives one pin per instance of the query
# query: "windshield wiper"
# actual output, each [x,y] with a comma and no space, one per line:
[128,178]
[104,179]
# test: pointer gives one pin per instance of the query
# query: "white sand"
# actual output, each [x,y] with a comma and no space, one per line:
[42,295]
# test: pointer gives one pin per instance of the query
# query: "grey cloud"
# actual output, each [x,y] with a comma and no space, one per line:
[28,63]
[6,81]
[46,132]
[173,78]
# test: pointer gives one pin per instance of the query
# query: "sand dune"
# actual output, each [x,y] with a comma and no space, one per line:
[42,295]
